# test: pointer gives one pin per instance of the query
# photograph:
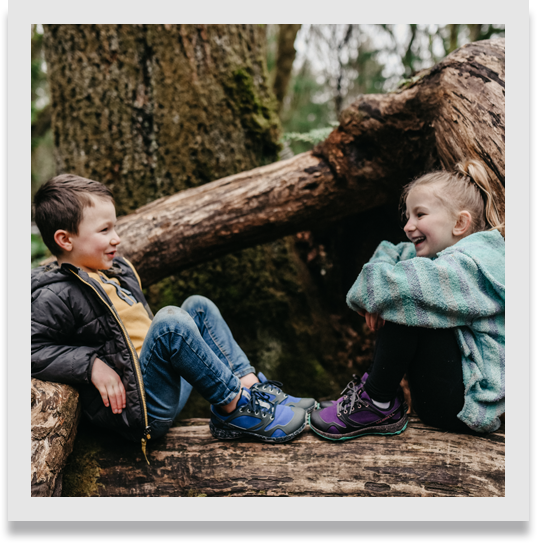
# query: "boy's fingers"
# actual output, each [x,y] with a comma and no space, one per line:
[104,396]
[120,395]
[117,400]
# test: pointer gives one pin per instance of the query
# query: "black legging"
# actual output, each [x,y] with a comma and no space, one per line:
[431,360]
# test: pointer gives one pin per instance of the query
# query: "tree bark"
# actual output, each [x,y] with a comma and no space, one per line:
[153,109]
[55,416]
[188,461]
[284,61]
[450,112]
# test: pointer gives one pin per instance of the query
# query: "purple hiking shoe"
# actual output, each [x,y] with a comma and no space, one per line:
[353,383]
[279,397]
[355,415]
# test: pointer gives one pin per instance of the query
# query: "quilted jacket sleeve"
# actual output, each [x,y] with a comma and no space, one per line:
[55,357]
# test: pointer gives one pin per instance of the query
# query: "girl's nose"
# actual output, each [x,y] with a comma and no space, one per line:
[409,226]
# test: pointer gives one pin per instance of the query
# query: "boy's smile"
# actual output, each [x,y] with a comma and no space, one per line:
[95,245]
[430,226]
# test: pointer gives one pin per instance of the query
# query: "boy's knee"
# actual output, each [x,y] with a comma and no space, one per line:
[197,302]
[173,316]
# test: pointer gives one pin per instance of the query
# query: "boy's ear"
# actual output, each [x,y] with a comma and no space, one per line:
[63,240]
[464,221]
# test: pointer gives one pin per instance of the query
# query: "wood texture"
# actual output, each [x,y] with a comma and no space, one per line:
[151,109]
[55,416]
[452,111]
[422,461]
[238,211]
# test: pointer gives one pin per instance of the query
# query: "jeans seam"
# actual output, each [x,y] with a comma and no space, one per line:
[246,371]
[229,390]
[220,348]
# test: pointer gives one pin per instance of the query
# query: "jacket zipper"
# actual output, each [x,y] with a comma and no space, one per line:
[147,431]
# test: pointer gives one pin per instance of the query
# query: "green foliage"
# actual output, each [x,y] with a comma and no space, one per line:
[39,250]
[314,136]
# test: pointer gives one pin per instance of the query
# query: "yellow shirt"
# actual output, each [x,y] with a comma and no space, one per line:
[134,317]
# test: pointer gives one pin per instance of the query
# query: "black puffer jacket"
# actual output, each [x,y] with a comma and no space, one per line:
[74,322]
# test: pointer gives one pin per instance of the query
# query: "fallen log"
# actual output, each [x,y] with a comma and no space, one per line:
[188,461]
[451,111]
[55,416]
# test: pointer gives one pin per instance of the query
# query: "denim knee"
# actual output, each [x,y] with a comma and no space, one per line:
[196,302]
[172,317]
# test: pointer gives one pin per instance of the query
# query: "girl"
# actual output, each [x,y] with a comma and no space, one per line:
[438,303]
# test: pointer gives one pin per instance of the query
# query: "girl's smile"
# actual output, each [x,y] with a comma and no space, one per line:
[430,225]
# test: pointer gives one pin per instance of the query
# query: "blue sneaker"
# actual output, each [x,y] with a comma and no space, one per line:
[279,397]
[256,416]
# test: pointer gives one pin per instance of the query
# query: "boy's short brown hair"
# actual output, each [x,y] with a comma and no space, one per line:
[59,204]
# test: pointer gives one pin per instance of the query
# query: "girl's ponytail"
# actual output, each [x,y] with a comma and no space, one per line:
[478,174]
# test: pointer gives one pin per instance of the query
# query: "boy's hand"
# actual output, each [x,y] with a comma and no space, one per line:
[109,385]
[374,321]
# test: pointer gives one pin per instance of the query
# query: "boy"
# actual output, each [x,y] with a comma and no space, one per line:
[92,328]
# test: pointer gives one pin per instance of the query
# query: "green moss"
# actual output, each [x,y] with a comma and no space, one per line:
[82,471]
[256,109]
[193,493]
[261,296]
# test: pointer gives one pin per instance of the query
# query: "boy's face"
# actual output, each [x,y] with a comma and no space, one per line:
[95,245]
[430,226]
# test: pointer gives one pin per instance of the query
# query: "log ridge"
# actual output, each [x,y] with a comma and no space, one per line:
[422,461]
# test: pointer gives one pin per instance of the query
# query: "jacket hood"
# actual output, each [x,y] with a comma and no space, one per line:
[487,250]
[46,275]
[52,272]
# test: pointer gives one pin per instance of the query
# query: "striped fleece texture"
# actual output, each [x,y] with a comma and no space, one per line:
[462,288]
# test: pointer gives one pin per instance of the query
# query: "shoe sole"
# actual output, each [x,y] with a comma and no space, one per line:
[385,430]
[227,434]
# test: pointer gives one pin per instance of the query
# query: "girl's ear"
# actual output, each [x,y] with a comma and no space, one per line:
[63,240]
[464,221]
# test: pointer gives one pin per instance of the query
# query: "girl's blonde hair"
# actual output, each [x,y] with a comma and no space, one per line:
[468,188]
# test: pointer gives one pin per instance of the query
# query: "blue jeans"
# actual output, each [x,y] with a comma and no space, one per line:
[187,347]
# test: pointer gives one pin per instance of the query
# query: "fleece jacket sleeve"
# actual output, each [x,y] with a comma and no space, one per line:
[446,292]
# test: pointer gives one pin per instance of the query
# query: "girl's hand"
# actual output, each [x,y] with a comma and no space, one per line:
[109,385]
[374,321]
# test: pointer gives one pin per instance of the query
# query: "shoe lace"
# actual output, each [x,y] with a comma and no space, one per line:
[259,402]
[351,384]
[352,401]
[270,384]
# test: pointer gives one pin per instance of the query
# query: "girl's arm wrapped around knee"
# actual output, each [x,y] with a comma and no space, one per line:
[451,290]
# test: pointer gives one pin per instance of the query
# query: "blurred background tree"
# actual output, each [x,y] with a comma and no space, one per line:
[285,300]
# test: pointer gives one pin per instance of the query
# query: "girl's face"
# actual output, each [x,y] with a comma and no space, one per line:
[430,226]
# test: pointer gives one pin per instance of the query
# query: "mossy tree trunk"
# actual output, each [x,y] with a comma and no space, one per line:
[150,110]
[153,109]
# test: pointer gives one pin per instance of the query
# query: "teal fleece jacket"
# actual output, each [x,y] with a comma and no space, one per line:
[463,288]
